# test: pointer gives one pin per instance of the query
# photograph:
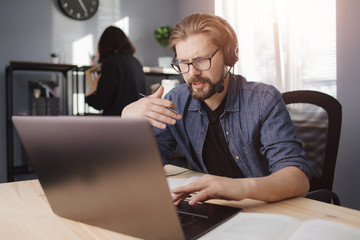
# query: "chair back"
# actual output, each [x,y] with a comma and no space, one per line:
[318,131]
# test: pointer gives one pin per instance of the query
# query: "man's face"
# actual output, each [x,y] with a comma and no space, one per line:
[201,84]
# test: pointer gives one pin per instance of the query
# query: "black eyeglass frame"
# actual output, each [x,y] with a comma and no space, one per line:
[177,69]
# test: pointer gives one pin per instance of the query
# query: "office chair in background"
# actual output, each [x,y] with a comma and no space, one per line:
[317,118]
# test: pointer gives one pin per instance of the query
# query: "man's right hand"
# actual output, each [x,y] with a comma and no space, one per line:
[154,109]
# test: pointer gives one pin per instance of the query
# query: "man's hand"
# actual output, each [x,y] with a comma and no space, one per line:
[153,108]
[285,183]
[211,187]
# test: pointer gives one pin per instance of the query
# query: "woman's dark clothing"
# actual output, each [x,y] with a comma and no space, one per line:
[122,79]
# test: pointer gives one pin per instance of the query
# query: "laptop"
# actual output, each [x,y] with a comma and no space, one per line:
[107,172]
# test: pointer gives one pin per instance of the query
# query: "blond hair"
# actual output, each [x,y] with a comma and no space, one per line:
[219,31]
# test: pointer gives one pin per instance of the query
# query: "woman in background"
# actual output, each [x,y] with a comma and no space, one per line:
[121,78]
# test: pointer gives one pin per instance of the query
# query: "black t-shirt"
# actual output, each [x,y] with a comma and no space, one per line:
[217,157]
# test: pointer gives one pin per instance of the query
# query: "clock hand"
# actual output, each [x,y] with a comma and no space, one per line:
[83,6]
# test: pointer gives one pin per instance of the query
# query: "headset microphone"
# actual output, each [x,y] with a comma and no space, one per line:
[219,88]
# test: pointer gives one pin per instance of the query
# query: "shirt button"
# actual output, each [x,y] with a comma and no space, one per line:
[237,157]
[203,130]
[227,133]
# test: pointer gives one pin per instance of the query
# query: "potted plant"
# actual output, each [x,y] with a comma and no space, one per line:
[54,57]
[162,36]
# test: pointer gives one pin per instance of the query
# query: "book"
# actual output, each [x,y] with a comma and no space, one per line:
[259,226]
[266,226]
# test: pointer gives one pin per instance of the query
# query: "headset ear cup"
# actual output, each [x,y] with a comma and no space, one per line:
[231,54]
[231,50]
[236,54]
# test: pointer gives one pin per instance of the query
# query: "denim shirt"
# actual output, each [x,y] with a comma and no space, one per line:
[256,125]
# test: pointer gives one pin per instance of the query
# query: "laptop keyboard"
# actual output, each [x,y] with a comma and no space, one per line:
[187,219]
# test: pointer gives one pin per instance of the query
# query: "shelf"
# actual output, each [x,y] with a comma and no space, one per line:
[12,169]
[39,66]
[78,86]
[159,71]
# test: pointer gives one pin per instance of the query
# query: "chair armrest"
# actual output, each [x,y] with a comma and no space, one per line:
[324,195]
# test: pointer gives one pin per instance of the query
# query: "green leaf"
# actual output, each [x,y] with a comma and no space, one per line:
[162,35]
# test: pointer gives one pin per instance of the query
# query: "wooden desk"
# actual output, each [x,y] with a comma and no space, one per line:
[26,214]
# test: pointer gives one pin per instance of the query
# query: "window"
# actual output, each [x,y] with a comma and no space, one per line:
[287,43]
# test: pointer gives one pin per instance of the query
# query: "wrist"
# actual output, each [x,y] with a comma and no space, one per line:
[242,188]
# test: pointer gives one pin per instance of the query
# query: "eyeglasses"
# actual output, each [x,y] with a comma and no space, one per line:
[201,64]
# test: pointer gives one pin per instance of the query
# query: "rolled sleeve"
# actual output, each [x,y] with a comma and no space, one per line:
[278,136]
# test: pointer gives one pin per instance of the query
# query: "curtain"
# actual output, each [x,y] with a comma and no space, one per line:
[290,44]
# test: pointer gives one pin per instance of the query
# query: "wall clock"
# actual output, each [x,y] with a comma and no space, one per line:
[79,9]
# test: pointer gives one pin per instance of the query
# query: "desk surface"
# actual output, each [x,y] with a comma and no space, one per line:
[26,214]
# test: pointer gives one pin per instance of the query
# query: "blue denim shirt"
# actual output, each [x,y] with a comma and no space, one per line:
[256,126]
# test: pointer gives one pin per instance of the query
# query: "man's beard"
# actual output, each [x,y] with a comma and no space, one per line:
[200,94]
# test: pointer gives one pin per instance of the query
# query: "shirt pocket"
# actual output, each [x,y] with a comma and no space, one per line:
[250,160]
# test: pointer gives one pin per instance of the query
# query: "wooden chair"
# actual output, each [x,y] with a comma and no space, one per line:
[319,132]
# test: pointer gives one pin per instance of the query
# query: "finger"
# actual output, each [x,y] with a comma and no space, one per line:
[159,113]
[194,186]
[159,92]
[199,190]
[200,197]
[165,103]
[157,124]
[178,198]
[155,116]
[179,192]
[187,189]
[153,109]
[177,203]
[157,100]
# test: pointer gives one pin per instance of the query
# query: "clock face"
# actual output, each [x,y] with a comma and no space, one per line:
[79,9]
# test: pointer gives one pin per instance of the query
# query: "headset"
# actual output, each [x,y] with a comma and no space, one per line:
[230,52]
[231,49]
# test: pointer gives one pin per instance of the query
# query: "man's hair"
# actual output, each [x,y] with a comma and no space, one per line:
[114,40]
[219,31]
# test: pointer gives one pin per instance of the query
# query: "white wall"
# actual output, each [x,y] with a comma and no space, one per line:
[347,175]
[186,7]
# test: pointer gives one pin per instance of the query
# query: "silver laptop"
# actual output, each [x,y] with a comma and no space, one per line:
[107,172]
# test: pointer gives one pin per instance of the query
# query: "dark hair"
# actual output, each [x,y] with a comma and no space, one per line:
[114,40]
